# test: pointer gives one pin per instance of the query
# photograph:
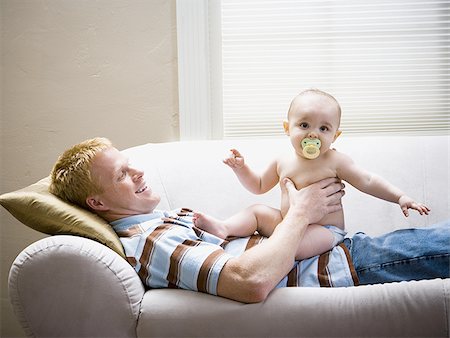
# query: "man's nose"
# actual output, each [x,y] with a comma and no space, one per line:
[136,173]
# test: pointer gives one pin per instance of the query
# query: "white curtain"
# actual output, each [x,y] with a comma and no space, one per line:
[386,62]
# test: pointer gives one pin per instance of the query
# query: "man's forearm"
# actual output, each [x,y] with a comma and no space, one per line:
[250,277]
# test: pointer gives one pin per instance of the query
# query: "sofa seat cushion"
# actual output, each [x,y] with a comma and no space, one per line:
[407,309]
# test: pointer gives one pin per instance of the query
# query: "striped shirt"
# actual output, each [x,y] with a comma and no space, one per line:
[168,251]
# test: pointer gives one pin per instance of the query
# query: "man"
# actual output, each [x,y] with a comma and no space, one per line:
[166,250]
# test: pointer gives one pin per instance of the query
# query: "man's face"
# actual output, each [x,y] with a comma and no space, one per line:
[125,191]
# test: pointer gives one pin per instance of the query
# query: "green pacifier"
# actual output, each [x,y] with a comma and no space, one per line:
[311,148]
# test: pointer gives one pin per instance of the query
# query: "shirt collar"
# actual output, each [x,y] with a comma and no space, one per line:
[126,222]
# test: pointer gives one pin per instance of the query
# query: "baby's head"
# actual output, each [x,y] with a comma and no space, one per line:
[314,95]
[313,121]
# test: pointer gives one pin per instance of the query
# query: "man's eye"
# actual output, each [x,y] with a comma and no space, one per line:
[122,176]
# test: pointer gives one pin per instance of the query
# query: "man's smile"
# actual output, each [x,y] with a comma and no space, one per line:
[142,189]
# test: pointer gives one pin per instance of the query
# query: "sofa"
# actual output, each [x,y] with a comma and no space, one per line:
[76,282]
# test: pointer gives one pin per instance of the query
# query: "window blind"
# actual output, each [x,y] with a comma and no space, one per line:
[386,62]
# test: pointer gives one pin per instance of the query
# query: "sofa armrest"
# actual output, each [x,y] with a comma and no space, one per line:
[72,286]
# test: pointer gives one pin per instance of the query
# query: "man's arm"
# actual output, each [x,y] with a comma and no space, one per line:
[253,275]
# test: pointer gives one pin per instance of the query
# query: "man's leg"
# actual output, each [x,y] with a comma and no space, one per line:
[402,255]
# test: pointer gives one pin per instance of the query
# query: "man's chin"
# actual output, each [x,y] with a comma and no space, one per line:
[152,206]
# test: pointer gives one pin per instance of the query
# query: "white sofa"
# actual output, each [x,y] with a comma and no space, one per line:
[69,286]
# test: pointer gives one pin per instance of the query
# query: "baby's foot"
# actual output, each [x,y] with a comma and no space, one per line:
[210,224]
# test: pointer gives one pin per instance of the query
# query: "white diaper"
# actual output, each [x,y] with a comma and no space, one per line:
[338,234]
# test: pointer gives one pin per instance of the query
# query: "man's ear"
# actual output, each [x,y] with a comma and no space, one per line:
[338,133]
[286,127]
[95,203]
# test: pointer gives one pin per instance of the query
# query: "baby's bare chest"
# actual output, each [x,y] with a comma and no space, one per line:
[304,173]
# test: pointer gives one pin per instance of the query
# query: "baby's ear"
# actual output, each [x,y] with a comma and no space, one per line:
[338,133]
[286,127]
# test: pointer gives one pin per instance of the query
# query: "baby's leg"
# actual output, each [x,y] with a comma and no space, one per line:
[316,241]
[267,218]
[256,217]
[210,224]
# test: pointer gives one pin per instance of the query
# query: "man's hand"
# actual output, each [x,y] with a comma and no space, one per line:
[316,200]
[251,276]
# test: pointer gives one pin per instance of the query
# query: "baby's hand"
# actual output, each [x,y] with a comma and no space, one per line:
[407,202]
[234,159]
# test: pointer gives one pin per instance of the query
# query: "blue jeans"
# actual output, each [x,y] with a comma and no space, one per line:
[402,255]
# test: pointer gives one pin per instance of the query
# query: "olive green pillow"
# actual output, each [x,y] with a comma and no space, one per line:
[37,208]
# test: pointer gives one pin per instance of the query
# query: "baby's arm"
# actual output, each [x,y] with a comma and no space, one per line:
[376,185]
[253,182]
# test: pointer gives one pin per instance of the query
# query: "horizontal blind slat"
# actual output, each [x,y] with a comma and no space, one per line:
[386,61]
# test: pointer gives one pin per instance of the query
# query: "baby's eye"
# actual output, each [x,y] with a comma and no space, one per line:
[304,125]
[324,128]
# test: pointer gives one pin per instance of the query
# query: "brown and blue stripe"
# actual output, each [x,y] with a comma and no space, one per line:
[322,270]
[175,261]
[131,231]
[254,240]
[149,246]
[205,270]
[350,264]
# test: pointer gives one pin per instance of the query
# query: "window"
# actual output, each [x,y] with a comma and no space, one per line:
[387,63]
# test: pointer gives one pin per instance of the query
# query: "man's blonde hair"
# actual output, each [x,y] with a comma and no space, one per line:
[71,177]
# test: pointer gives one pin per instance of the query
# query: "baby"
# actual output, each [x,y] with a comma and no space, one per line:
[312,126]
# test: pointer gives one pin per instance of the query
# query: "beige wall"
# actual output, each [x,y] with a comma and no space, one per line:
[72,70]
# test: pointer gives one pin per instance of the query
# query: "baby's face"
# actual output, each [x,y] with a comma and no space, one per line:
[313,116]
